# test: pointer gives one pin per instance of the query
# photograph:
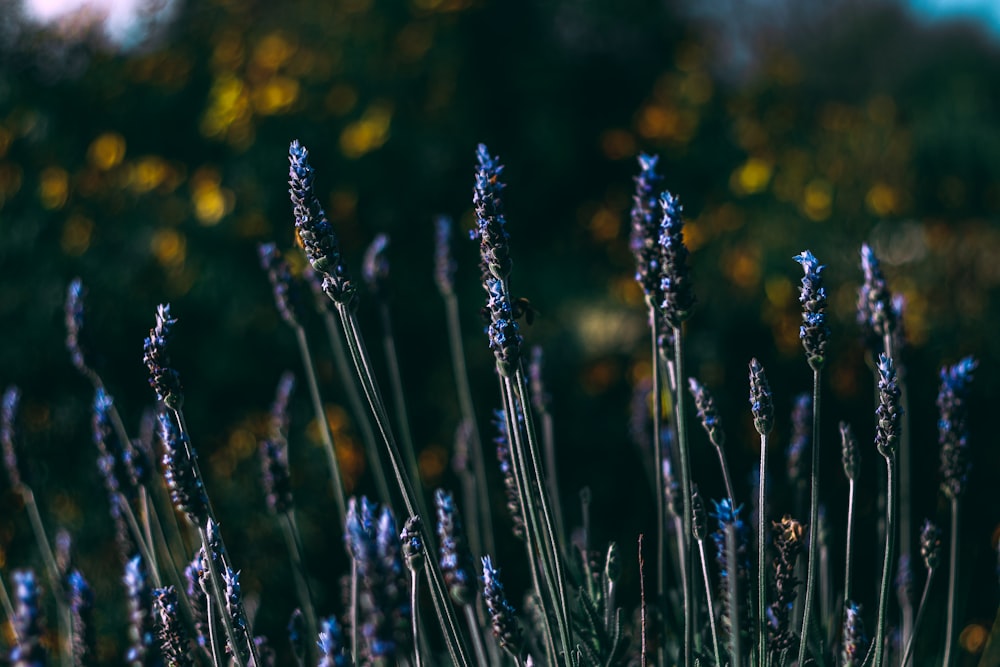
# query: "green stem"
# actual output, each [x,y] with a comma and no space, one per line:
[732,590]
[711,605]
[920,615]
[850,540]
[293,541]
[414,615]
[890,545]
[811,564]
[660,487]
[398,397]
[949,628]
[477,638]
[682,447]
[355,612]
[323,424]
[218,595]
[761,555]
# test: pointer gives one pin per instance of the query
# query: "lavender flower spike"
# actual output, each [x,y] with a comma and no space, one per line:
[169,629]
[286,292]
[314,230]
[444,263]
[814,331]
[503,331]
[854,643]
[645,232]
[675,284]
[876,314]
[494,242]
[81,604]
[789,540]
[28,651]
[456,559]
[711,421]
[953,428]
[187,491]
[8,434]
[849,452]
[375,268]
[162,378]
[888,413]
[142,648]
[930,544]
[331,644]
[75,294]
[413,544]
[502,616]
[761,402]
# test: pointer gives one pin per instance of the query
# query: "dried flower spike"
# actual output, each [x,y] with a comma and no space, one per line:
[930,544]
[711,421]
[761,403]
[789,540]
[169,629]
[953,428]
[506,629]
[849,452]
[814,331]
[162,378]
[456,558]
[142,648]
[854,643]
[675,281]
[187,490]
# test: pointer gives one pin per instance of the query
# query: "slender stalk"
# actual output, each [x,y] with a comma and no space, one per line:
[414,617]
[682,447]
[661,489]
[711,605]
[398,396]
[732,590]
[890,544]
[323,424]
[811,564]
[642,607]
[850,540]
[903,461]
[761,557]
[949,628]
[551,473]
[218,595]
[920,614]
[355,612]
[485,527]
[477,637]
[293,541]
[213,630]
[335,336]
[52,570]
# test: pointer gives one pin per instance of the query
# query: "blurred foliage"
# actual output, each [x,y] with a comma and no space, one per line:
[153,173]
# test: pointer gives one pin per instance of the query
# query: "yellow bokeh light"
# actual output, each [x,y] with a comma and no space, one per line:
[10,180]
[432,463]
[276,95]
[656,122]
[242,443]
[229,105]
[882,200]
[368,133]
[751,177]
[273,51]
[148,173]
[817,200]
[169,247]
[973,638]
[210,200]
[779,291]
[107,150]
[53,187]
[76,234]
[605,224]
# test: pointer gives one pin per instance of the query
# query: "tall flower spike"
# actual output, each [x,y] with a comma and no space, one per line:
[494,242]
[699,521]
[81,605]
[142,648]
[761,403]
[727,515]
[456,558]
[331,644]
[503,331]
[162,378]
[854,643]
[27,651]
[930,544]
[850,454]
[196,586]
[375,268]
[814,331]
[75,294]
[169,629]
[789,539]
[801,435]
[275,476]
[284,286]
[187,490]
[503,618]
[314,231]
[503,443]
[953,428]
[8,434]
[413,544]
[675,284]
[888,413]
[645,232]
[876,315]
[444,263]
[711,421]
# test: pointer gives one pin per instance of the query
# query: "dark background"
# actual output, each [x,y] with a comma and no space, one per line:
[153,172]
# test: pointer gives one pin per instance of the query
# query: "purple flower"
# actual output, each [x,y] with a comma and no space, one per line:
[503,618]
[503,445]
[675,283]
[814,331]
[162,378]
[333,653]
[761,402]
[75,294]
[375,267]
[503,331]
[27,651]
[953,427]
[888,413]
[81,605]
[711,421]
[854,643]
[8,434]
[169,629]
[876,314]
[456,558]
[789,540]
[142,651]
[284,286]
[187,491]
[494,242]
[645,231]
[930,544]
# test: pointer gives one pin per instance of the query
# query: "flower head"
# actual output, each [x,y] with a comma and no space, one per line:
[333,653]
[888,413]
[503,618]
[412,538]
[761,403]
[789,540]
[503,332]
[953,428]
[849,450]
[81,605]
[142,646]
[456,558]
[930,544]
[284,286]
[675,280]
[711,421]
[876,315]
[729,519]
[162,378]
[27,650]
[75,294]
[187,491]
[8,434]
[502,441]
[375,269]
[645,232]
[169,629]
[854,643]
[494,242]
[814,331]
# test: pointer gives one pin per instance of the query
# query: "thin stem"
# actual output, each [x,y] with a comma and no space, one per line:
[949,628]
[682,447]
[761,557]
[486,545]
[732,590]
[213,630]
[890,544]
[850,540]
[293,541]
[414,616]
[477,638]
[398,397]
[711,604]
[335,336]
[323,424]
[661,488]
[903,461]
[811,564]
[920,614]
[355,612]
[215,581]
[551,472]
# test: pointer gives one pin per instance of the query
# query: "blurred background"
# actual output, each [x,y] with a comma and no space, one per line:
[143,149]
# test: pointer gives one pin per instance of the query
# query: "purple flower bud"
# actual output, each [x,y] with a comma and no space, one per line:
[162,378]
[850,454]
[456,558]
[711,421]
[888,413]
[930,544]
[854,643]
[494,242]
[75,294]
[953,427]
[8,434]
[27,651]
[333,653]
[814,331]
[761,403]
[283,284]
[375,267]
[186,487]
[675,283]
[503,618]
[81,605]
[645,229]
[170,631]
[142,650]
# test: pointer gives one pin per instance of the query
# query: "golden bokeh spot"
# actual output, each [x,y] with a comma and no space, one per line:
[341,99]
[368,133]
[147,173]
[107,150]
[657,122]
[431,464]
[694,235]
[76,234]
[779,291]
[6,138]
[276,95]
[53,187]
[605,225]
[10,179]
[817,199]
[169,247]
[785,331]
[882,200]
[273,51]
[617,144]
[228,105]
[627,290]
[242,443]
[751,177]
[741,267]
[228,52]
[973,638]
[211,201]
